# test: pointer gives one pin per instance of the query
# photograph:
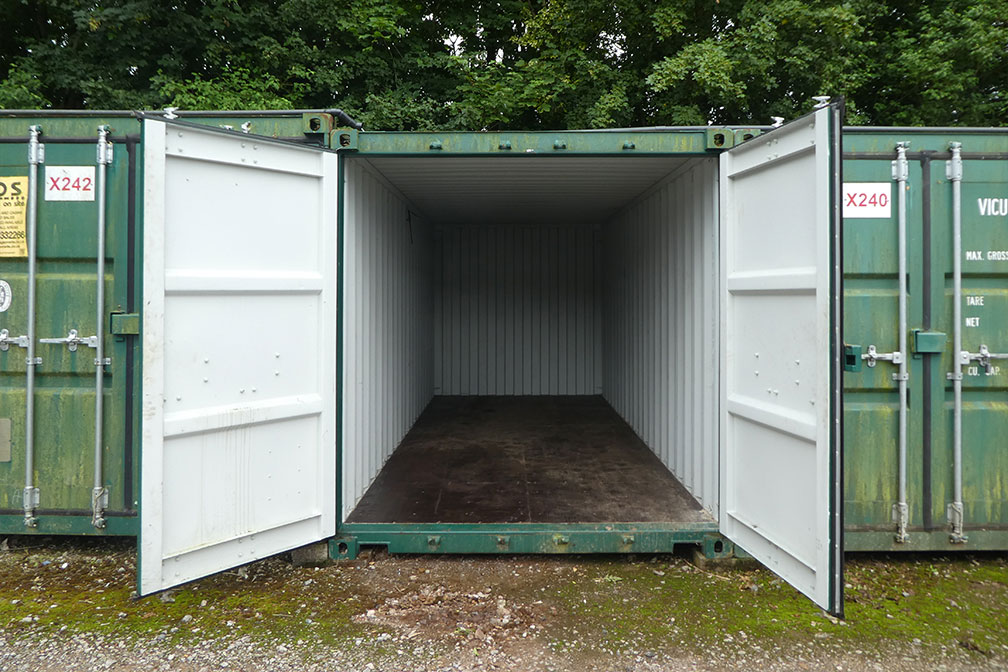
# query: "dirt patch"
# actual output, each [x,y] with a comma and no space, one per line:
[438,611]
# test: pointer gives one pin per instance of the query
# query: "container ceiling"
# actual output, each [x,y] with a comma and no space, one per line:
[533,189]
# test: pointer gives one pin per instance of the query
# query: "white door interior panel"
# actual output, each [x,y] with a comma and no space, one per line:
[779,439]
[239,343]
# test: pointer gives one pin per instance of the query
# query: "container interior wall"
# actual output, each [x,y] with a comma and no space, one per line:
[516,310]
[660,342]
[540,296]
[387,325]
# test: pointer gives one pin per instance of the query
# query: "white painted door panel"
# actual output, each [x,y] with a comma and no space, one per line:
[238,458]
[780,292]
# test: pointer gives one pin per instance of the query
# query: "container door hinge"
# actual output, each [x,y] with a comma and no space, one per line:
[99,502]
[30,502]
[901,516]
[955,517]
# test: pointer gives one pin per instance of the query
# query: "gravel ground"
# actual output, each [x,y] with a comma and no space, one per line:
[67,605]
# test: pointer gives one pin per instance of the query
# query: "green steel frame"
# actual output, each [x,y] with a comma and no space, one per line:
[612,142]
[543,538]
[540,538]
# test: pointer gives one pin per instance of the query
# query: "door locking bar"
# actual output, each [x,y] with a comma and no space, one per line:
[36,157]
[901,509]
[955,509]
[99,493]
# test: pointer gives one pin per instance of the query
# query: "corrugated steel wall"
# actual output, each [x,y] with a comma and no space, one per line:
[388,327]
[660,338]
[516,310]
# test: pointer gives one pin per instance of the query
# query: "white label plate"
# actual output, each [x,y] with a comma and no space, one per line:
[863,200]
[5,296]
[70,183]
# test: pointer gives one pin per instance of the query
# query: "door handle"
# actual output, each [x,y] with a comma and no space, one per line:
[72,340]
[983,357]
[6,340]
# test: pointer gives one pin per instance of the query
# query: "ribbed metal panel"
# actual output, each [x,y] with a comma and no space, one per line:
[516,310]
[661,323]
[388,326]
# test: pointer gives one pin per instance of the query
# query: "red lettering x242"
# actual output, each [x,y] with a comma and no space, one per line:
[66,184]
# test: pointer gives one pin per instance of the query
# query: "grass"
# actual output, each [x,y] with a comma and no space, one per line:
[923,605]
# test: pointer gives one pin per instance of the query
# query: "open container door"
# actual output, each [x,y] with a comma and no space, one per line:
[238,459]
[780,494]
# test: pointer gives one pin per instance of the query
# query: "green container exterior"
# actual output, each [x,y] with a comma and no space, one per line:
[871,402]
[65,395]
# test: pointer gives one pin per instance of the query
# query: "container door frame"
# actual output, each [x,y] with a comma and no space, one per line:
[781,353]
[238,458]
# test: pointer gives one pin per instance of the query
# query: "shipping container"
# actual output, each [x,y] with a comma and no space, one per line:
[954,183]
[549,342]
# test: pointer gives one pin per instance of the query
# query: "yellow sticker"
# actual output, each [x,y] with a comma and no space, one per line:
[13,210]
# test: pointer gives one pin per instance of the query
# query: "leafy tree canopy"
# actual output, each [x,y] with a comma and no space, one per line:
[434,64]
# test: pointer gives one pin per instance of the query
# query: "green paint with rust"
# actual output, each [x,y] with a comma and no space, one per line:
[871,402]
[289,126]
[77,524]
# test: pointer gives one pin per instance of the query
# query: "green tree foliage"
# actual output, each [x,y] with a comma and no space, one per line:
[432,64]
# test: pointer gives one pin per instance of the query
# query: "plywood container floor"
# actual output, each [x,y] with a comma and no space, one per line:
[487,459]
